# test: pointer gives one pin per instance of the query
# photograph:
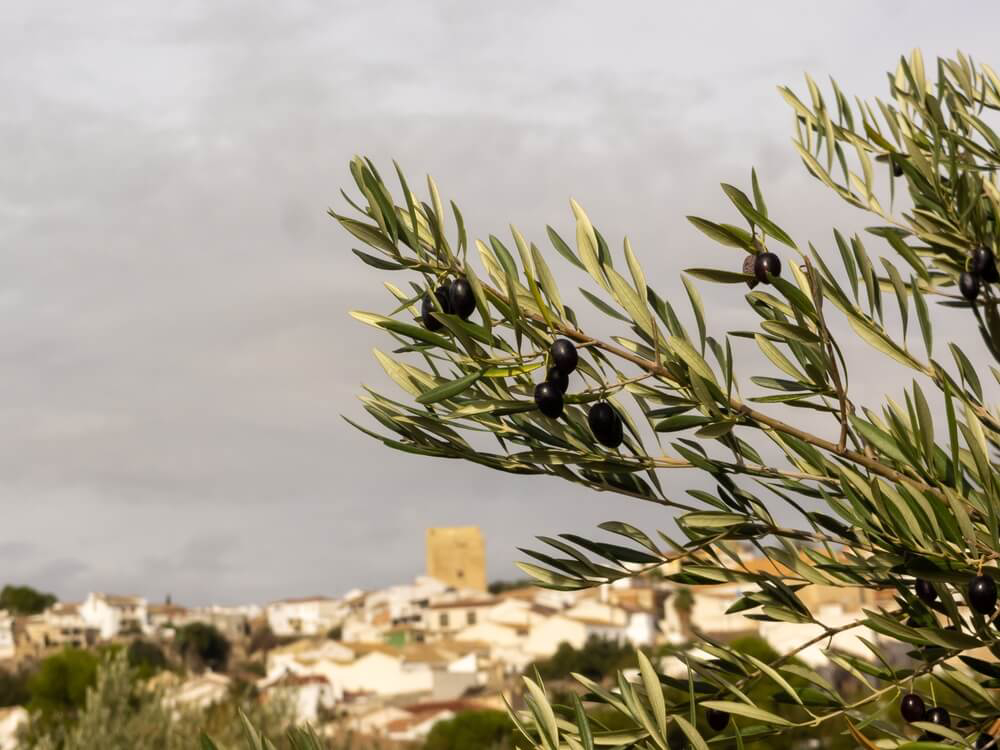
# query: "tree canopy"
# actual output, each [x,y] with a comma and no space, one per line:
[202,646]
[899,498]
[24,600]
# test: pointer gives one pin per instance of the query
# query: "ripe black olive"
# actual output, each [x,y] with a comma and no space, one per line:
[983,595]
[912,708]
[564,355]
[548,399]
[765,266]
[606,424]
[925,590]
[897,168]
[558,378]
[940,716]
[986,740]
[462,299]
[984,264]
[431,323]
[968,285]
[717,719]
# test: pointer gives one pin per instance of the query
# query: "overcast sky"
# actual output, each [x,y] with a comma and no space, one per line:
[175,349]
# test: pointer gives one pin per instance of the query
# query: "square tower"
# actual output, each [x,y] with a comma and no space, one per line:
[457,556]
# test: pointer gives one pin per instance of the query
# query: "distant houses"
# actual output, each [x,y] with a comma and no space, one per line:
[113,615]
[392,662]
[313,615]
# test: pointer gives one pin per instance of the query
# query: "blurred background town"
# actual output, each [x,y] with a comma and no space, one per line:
[389,667]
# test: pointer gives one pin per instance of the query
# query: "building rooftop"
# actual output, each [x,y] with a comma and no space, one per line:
[463,604]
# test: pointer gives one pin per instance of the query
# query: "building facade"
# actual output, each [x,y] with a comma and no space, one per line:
[457,556]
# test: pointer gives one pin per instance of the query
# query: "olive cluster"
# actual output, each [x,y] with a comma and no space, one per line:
[981,594]
[455,298]
[982,270]
[604,421]
[912,708]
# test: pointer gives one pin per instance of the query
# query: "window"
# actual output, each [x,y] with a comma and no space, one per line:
[470,618]
[443,619]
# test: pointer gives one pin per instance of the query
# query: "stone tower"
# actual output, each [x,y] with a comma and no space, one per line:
[457,556]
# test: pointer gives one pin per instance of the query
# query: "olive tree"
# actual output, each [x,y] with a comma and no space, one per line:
[901,497]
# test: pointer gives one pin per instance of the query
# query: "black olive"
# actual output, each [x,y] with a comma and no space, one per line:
[462,298]
[606,424]
[548,399]
[925,590]
[564,355]
[765,266]
[431,323]
[983,595]
[912,708]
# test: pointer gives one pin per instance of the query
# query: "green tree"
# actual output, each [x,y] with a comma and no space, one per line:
[146,658]
[121,713]
[24,600]
[59,686]
[202,646]
[13,688]
[598,659]
[489,730]
[902,497]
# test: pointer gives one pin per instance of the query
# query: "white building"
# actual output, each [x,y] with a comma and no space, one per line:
[788,636]
[404,604]
[418,724]
[11,720]
[707,613]
[114,615]
[639,626]
[306,694]
[444,618]
[440,672]
[7,648]
[307,656]
[544,639]
[314,615]
[199,691]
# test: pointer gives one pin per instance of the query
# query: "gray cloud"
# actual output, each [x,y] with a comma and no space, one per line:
[174,348]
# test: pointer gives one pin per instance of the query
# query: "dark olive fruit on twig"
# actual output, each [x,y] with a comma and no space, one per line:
[717,719]
[984,741]
[940,716]
[564,355]
[431,323]
[897,168]
[748,270]
[765,266]
[983,595]
[968,285]
[558,378]
[925,590]
[462,299]
[606,424]
[984,264]
[677,740]
[912,708]
[548,399]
